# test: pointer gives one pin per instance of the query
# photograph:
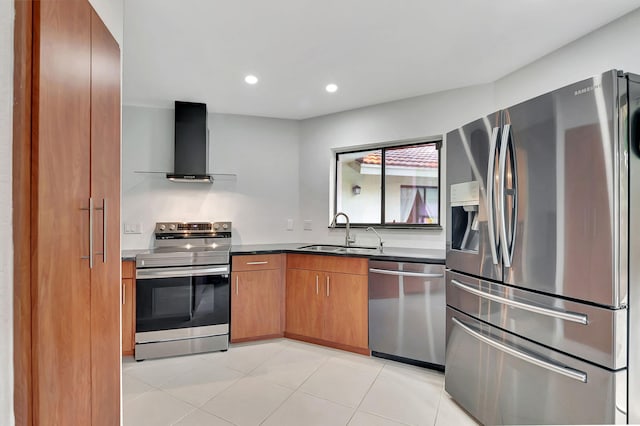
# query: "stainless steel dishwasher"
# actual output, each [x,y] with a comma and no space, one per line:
[407,312]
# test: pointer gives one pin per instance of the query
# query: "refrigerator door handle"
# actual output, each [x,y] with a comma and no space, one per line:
[563,315]
[530,358]
[490,195]
[502,162]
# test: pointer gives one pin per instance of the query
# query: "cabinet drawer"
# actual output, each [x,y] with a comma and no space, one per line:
[256,262]
[345,265]
[128,269]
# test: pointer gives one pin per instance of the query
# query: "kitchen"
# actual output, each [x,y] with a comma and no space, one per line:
[301,190]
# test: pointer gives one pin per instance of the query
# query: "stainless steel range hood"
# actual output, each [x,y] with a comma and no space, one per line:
[191,144]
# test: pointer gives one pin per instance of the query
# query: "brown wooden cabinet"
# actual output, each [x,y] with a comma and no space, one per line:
[75,197]
[346,309]
[303,307]
[257,297]
[328,304]
[128,307]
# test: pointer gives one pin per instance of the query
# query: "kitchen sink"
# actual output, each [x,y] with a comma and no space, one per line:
[340,249]
[362,250]
[324,248]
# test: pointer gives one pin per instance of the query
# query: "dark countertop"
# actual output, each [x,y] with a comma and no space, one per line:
[131,254]
[265,248]
[394,254]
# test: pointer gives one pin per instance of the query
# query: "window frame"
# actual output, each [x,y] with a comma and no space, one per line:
[437,141]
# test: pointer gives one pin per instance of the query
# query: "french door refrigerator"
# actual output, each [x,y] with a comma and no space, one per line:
[543,258]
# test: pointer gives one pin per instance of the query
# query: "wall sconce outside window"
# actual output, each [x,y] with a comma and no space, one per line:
[355,189]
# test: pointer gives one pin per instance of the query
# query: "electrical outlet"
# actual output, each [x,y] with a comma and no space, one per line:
[133,228]
[289,224]
[307,225]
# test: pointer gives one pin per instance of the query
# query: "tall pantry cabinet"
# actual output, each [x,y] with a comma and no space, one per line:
[75,217]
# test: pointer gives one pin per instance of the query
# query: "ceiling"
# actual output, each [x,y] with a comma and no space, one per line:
[374,50]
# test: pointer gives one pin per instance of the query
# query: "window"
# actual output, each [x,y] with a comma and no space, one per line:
[393,186]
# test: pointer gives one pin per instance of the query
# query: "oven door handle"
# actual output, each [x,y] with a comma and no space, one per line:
[149,273]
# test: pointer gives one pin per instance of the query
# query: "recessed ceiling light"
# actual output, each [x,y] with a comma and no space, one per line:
[331,88]
[251,79]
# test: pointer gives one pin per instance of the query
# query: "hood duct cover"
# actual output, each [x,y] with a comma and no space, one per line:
[191,143]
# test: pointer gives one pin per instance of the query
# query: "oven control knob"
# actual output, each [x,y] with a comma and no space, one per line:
[225,226]
[216,226]
[172,227]
[162,227]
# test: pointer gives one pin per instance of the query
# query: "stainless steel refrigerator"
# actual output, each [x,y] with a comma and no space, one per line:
[543,258]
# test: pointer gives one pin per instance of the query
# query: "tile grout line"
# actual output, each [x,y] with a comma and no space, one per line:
[279,348]
[273,355]
[244,376]
[435,419]
[384,363]
[294,391]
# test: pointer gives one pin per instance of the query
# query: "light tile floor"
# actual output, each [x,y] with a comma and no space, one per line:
[284,382]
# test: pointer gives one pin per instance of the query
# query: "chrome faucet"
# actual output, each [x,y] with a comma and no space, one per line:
[381,242]
[347,238]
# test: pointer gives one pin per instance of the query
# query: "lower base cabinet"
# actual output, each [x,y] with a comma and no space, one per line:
[257,297]
[304,304]
[128,307]
[328,306]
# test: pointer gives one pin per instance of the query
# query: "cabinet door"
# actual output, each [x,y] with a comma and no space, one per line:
[345,309]
[61,329]
[256,304]
[105,192]
[303,303]
[128,317]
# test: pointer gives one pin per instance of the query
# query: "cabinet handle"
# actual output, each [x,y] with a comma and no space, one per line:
[327,285]
[258,263]
[237,285]
[123,295]
[90,209]
[104,230]
[317,291]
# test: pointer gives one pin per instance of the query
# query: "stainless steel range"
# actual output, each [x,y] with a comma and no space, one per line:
[182,290]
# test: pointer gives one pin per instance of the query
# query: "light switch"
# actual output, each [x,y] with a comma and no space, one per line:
[307,225]
[133,228]
[289,224]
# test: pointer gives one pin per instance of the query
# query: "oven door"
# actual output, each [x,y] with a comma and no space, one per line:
[179,302]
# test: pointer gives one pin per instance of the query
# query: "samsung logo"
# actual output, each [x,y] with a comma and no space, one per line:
[587,89]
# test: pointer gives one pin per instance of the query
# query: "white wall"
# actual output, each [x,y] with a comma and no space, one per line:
[112,14]
[262,152]
[612,46]
[428,115]
[6,245]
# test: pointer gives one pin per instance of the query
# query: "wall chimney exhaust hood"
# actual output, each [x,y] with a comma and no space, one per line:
[191,144]
[191,147]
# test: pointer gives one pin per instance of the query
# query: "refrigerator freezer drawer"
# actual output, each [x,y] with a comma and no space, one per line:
[593,333]
[503,379]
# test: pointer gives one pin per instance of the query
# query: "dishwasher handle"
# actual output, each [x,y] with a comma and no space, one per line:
[405,273]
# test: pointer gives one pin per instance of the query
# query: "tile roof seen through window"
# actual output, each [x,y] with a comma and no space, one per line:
[424,156]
